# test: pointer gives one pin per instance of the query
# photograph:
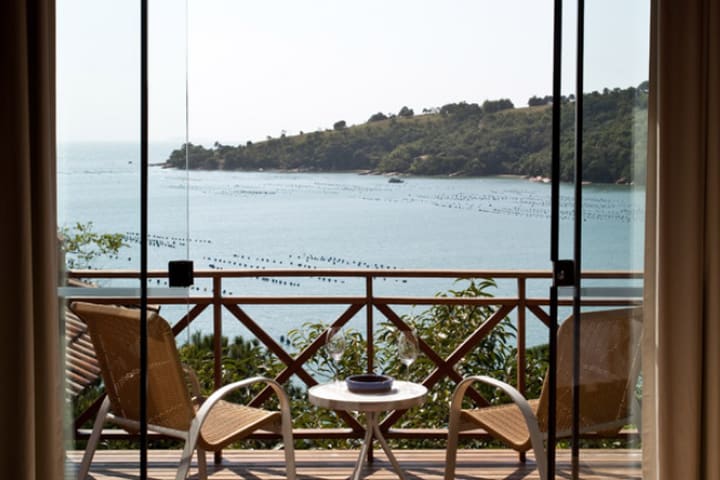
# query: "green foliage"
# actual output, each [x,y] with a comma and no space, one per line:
[321,364]
[377,117]
[535,101]
[322,367]
[537,360]
[492,106]
[240,359]
[406,112]
[461,111]
[442,327]
[198,157]
[81,244]
[460,139]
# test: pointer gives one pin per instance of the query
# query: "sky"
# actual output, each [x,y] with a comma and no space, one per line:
[247,69]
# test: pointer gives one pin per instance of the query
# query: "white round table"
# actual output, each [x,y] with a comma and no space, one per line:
[336,396]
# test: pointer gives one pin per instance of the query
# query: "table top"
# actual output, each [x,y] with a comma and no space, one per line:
[336,396]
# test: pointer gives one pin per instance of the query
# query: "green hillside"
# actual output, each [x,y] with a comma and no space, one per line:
[457,139]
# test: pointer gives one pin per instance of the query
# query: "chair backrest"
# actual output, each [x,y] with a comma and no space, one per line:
[81,365]
[115,334]
[609,369]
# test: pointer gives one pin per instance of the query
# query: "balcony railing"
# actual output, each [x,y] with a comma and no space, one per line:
[519,304]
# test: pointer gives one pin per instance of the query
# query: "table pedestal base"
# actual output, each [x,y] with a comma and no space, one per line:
[373,431]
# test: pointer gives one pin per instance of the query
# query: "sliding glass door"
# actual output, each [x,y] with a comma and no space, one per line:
[121,108]
[599,221]
[371,137]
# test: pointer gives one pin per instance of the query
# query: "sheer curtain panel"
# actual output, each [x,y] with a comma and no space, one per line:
[681,408]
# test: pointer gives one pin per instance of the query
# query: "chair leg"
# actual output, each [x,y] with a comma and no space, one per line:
[202,464]
[186,459]
[289,446]
[452,444]
[540,458]
[94,439]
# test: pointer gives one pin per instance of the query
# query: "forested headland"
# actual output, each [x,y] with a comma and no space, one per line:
[467,139]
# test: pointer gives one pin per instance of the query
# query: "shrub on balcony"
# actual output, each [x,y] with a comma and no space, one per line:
[443,328]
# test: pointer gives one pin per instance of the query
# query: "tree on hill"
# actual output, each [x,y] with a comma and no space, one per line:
[492,106]
[339,125]
[199,157]
[378,117]
[461,111]
[462,138]
[406,112]
[537,101]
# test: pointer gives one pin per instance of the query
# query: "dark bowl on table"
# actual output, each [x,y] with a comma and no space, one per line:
[369,383]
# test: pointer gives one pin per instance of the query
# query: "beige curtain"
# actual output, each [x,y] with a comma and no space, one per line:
[31,433]
[682,351]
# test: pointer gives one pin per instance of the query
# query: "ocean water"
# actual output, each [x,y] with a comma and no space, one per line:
[337,220]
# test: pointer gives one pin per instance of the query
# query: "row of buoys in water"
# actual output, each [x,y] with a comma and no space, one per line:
[277,281]
[483,204]
[306,257]
[155,242]
[269,260]
[135,237]
[239,263]
[289,283]
[192,287]
[337,260]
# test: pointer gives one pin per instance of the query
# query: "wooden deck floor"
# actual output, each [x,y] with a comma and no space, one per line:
[338,464]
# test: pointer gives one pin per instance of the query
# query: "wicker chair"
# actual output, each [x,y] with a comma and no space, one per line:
[209,424]
[609,363]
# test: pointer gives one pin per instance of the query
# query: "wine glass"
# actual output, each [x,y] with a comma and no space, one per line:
[335,346]
[407,348]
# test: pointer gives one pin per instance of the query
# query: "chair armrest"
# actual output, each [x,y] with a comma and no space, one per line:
[517,397]
[209,403]
[223,391]
[536,438]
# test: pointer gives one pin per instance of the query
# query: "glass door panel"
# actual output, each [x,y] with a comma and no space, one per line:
[169,238]
[98,130]
[100,173]
[600,335]
[98,181]
[616,72]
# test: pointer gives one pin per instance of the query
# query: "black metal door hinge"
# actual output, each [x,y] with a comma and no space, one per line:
[564,273]
[180,273]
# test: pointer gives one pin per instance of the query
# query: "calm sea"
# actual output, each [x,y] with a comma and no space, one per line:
[337,220]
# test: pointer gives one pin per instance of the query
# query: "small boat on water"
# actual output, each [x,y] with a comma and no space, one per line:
[395,180]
